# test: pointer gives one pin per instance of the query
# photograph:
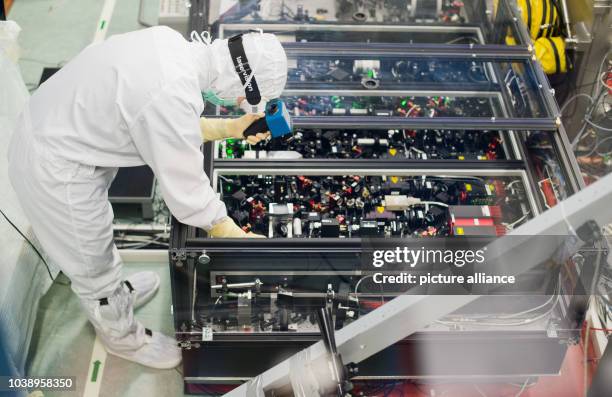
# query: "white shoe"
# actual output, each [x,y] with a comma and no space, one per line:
[123,336]
[145,285]
[159,351]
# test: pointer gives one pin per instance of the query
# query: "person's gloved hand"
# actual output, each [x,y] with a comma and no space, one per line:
[216,129]
[237,126]
[228,229]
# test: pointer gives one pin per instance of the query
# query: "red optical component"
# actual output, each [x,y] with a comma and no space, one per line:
[371,304]
[479,231]
[548,192]
[473,222]
[305,181]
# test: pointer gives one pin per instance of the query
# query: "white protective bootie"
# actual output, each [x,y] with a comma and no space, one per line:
[124,336]
[145,285]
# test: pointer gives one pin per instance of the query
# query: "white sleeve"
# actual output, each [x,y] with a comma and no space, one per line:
[167,136]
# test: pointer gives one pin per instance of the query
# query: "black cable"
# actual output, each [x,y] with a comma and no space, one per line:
[560,27]
[31,244]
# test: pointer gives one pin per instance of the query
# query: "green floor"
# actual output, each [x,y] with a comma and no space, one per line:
[63,341]
[53,32]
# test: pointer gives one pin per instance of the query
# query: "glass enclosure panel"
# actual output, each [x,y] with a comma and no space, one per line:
[522,90]
[423,22]
[381,205]
[381,11]
[546,167]
[372,71]
[412,104]
[550,181]
[377,144]
[392,85]
[515,80]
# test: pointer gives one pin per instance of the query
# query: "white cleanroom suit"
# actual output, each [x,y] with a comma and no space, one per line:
[131,100]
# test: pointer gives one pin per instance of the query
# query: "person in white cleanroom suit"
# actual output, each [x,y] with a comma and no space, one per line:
[131,100]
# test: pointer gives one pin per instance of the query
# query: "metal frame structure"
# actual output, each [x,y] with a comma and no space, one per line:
[477,12]
[407,314]
[486,53]
[187,244]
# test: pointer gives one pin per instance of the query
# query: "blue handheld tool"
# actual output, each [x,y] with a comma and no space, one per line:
[277,120]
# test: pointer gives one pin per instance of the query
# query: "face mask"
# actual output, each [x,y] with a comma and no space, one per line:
[248,108]
[213,98]
[245,73]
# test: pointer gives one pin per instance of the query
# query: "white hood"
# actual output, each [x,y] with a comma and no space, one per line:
[266,57]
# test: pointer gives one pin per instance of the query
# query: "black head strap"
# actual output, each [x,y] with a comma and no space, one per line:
[129,285]
[242,67]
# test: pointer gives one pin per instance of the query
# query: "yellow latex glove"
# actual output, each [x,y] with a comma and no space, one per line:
[228,229]
[216,129]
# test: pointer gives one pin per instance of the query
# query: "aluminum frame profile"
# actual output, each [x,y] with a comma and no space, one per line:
[476,11]
[184,240]
[344,27]
[482,52]
[562,142]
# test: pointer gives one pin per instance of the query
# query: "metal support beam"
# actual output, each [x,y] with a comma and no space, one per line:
[492,52]
[450,123]
[455,123]
[390,165]
[198,16]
